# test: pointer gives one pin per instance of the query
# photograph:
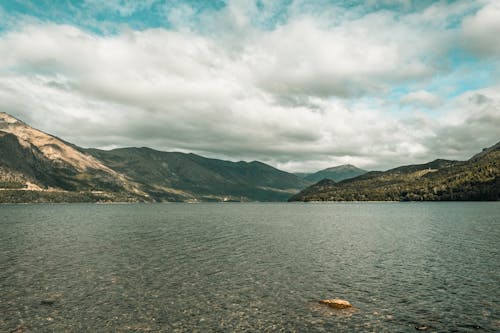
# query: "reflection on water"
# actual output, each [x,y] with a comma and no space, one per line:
[250,267]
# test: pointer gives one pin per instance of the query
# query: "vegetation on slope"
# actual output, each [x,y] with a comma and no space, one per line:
[38,167]
[337,173]
[475,179]
[197,177]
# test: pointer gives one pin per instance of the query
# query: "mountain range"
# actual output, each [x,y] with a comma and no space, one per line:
[475,179]
[337,173]
[38,167]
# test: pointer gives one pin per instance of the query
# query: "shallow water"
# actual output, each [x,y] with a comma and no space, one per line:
[250,267]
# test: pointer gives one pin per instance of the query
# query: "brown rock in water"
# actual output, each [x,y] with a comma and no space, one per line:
[48,302]
[336,303]
[421,328]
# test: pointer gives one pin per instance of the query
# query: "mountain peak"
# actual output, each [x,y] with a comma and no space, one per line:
[342,167]
[51,147]
[7,118]
[475,179]
[336,173]
[487,151]
[60,171]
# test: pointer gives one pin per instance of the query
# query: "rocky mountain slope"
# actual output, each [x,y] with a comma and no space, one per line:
[38,167]
[337,173]
[475,179]
[35,165]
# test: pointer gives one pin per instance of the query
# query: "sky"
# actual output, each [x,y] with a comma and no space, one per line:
[301,85]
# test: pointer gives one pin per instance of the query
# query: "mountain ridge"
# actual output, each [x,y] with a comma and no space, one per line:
[36,166]
[33,160]
[336,173]
[206,176]
[477,178]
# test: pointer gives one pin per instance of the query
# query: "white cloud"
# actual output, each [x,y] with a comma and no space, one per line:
[421,98]
[481,31]
[283,96]
[305,58]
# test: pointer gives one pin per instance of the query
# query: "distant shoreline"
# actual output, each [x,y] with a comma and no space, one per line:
[242,202]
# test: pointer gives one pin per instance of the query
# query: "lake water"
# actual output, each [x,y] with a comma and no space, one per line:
[250,267]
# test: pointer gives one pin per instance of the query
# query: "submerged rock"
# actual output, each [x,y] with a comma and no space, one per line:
[48,302]
[421,328]
[336,303]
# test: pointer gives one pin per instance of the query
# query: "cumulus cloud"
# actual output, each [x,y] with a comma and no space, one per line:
[335,56]
[482,30]
[471,124]
[421,98]
[287,95]
[303,59]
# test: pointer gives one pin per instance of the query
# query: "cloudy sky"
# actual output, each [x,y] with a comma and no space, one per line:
[299,84]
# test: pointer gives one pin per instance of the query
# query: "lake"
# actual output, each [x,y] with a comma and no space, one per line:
[250,267]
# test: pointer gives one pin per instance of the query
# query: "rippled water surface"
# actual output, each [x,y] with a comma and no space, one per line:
[250,267]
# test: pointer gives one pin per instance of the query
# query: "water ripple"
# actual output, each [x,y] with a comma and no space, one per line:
[250,267]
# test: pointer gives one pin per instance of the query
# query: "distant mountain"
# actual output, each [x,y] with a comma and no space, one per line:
[190,176]
[475,179]
[337,173]
[302,174]
[38,167]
